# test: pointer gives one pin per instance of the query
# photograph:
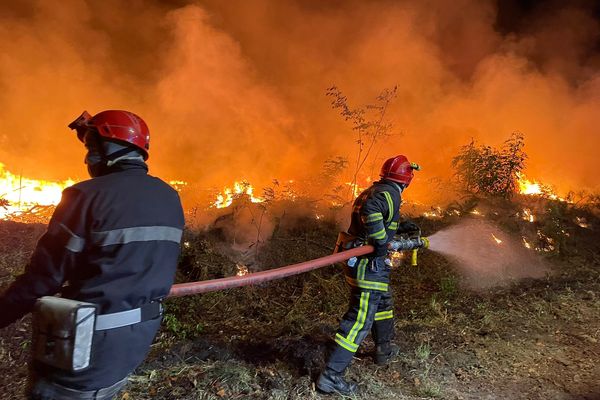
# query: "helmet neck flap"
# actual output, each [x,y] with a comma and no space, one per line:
[102,155]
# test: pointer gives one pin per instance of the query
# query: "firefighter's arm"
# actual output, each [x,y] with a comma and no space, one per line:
[52,258]
[374,212]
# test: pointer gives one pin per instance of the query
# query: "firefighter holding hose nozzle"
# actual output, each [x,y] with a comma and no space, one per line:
[375,221]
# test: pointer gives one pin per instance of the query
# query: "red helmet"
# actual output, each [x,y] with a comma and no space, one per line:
[119,125]
[398,169]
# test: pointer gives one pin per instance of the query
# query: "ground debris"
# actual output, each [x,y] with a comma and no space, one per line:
[530,339]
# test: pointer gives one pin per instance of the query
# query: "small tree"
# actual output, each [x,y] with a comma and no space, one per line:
[330,177]
[368,122]
[488,171]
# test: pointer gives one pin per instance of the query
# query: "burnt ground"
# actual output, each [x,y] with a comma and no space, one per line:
[527,339]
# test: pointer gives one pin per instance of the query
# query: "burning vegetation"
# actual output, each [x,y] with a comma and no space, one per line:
[261,342]
[239,189]
[28,200]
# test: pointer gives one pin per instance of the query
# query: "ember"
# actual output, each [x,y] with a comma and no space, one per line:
[496,239]
[546,243]
[436,212]
[527,215]
[241,269]
[178,185]
[582,222]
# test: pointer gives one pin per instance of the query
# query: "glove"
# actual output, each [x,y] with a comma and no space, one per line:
[380,250]
[407,227]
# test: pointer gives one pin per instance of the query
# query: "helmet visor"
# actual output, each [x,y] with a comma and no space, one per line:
[80,125]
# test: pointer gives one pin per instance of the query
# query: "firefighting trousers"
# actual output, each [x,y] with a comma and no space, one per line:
[369,310]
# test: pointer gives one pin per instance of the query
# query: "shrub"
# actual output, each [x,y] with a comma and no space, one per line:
[484,170]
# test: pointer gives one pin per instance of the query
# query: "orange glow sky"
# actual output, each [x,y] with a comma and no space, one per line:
[236,89]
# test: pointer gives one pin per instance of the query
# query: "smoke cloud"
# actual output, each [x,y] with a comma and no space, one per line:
[235,90]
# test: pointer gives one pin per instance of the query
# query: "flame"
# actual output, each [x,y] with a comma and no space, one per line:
[496,239]
[528,187]
[534,188]
[33,200]
[356,188]
[239,189]
[20,195]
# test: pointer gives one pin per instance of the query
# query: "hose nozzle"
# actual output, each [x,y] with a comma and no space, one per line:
[401,244]
[409,244]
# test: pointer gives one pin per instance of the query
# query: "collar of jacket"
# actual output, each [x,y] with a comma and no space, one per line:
[392,184]
[127,165]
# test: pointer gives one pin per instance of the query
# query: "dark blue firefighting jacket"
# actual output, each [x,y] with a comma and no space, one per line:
[375,219]
[113,241]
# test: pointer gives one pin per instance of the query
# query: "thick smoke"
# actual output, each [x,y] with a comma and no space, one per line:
[235,89]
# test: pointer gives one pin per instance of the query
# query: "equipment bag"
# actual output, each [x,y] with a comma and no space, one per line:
[346,241]
[62,332]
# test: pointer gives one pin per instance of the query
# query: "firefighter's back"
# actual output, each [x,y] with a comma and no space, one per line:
[134,225]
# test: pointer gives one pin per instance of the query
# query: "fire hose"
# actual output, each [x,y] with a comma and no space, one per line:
[186,289]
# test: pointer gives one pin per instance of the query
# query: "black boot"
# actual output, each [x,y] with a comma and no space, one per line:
[385,352]
[334,382]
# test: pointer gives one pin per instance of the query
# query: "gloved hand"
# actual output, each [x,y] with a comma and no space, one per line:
[380,250]
[407,227]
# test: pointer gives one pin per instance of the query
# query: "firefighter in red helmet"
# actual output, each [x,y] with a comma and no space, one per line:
[110,251]
[111,136]
[375,220]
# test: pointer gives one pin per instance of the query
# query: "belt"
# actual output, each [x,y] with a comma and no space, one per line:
[129,317]
[47,389]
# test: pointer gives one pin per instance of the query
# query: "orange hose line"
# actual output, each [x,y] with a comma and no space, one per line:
[186,289]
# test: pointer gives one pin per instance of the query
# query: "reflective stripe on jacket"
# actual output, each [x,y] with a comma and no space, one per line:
[114,241]
[375,218]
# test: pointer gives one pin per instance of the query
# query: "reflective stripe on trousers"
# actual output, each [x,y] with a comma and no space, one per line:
[369,310]
[47,390]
